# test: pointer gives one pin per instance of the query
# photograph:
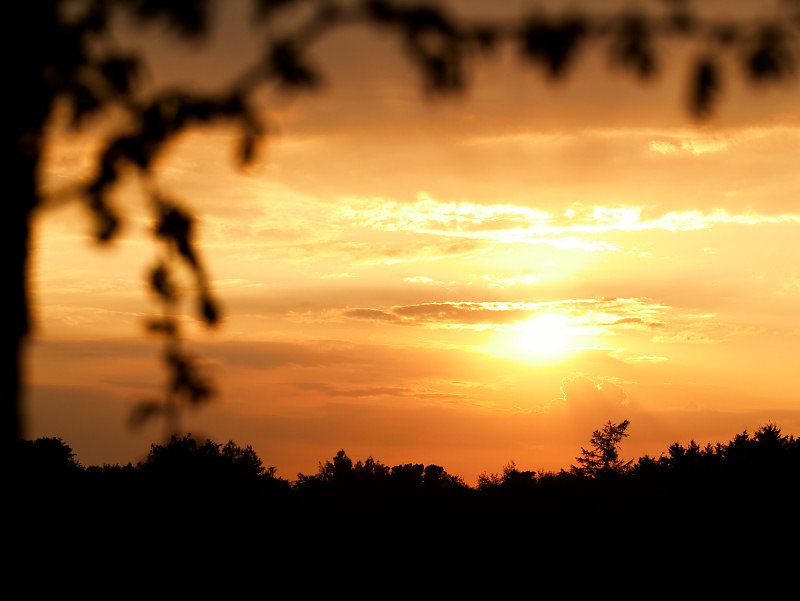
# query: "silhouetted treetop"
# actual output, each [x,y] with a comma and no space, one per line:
[602,458]
[188,457]
[342,475]
[44,457]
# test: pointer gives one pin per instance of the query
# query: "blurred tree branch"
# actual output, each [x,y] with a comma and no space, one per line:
[61,60]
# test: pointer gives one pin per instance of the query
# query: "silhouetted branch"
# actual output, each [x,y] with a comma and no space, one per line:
[72,59]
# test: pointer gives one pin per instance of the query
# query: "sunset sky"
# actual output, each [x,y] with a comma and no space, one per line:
[463,281]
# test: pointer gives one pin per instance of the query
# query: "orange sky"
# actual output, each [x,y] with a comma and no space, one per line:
[465,281]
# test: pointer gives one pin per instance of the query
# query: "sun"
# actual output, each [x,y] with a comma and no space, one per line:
[544,336]
[545,339]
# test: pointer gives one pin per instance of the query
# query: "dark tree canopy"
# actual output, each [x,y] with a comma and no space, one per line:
[70,59]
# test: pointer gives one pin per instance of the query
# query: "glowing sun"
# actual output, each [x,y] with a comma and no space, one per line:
[544,336]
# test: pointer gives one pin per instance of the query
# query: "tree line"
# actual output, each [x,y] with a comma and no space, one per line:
[198,509]
[767,457]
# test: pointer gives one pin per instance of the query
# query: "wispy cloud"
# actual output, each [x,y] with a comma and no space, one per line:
[601,313]
[638,317]
[501,280]
[701,333]
[503,223]
[691,146]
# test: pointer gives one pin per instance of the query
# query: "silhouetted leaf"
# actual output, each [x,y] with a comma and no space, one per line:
[107,226]
[95,19]
[188,18]
[157,121]
[175,226]
[144,411]
[121,73]
[486,38]
[167,326]
[443,72]
[138,149]
[85,101]
[209,310]
[287,63]
[191,111]
[553,45]
[435,44]
[726,34]
[425,19]
[704,87]
[267,8]
[770,59]
[252,135]
[234,105]
[106,221]
[186,379]
[382,11]
[680,17]
[247,149]
[161,282]
[632,46]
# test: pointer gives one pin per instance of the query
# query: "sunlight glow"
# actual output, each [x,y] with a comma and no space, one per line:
[545,335]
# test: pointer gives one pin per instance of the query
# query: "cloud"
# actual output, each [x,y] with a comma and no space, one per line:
[628,320]
[657,322]
[695,146]
[595,398]
[355,392]
[406,253]
[501,280]
[602,312]
[372,315]
[701,333]
[421,279]
[648,359]
[508,224]
[97,318]
[87,350]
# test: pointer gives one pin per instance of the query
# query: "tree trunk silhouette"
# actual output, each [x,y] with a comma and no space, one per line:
[29,102]
[18,230]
